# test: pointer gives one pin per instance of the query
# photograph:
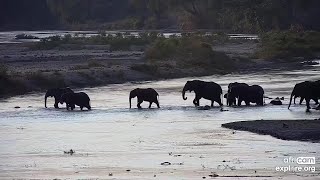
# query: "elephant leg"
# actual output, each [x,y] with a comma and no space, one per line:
[81,107]
[72,107]
[301,100]
[294,100]
[308,104]
[247,103]
[56,102]
[150,103]
[139,103]
[212,102]
[157,102]
[195,102]
[88,106]
[316,101]
[67,105]
[239,101]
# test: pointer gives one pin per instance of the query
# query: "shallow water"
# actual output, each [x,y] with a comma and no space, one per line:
[113,138]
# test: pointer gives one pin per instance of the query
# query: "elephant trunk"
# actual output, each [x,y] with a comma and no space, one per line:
[130,102]
[184,94]
[45,100]
[292,94]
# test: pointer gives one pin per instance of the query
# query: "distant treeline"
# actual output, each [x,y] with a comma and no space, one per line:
[229,15]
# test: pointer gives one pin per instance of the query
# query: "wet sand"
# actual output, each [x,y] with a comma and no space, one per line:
[302,130]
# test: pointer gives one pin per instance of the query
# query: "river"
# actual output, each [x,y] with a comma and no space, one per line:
[113,141]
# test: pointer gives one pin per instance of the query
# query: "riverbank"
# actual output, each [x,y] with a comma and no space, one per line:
[25,69]
[299,130]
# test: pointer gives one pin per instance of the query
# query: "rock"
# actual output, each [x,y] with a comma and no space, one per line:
[277,101]
[165,163]
[71,152]
[213,175]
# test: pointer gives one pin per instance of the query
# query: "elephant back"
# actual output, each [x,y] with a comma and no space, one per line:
[258,89]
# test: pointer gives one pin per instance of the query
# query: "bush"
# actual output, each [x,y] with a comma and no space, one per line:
[190,51]
[288,44]
[42,81]
[145,68]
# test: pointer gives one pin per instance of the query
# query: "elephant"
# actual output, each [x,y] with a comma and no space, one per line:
[231,98]
[150,95]
[202,89]
[309,90]
[80,99]
[246,93]
[230,101]
[56,93]
[299,91]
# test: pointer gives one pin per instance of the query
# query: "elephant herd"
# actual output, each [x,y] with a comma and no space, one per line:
[237,93]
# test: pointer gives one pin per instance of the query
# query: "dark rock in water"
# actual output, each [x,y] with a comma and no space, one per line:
[165,163]
[222,110]
[17,107]
[71,152]
[276,101]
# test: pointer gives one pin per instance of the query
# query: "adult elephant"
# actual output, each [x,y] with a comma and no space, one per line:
[207,90]
[239,90]
[246,93]
[80,99]
[150,95]
[56,93]
[309,90]
[299,91]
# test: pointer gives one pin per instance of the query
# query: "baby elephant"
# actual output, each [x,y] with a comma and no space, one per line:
[80,99]
[149,95]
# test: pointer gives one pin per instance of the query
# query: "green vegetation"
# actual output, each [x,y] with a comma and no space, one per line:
[8,85]
[289,44]
[45,81]
[25,36]
[189,52]
[117,42]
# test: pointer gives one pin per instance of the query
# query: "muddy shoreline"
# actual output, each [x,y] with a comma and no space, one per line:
[298,130]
